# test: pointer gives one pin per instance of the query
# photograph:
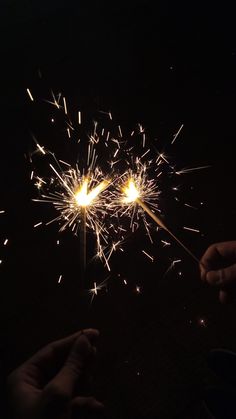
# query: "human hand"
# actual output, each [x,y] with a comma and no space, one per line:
[218,268]
[50,384]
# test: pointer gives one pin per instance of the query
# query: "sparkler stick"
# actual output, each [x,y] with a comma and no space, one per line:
[83,246]
[162,225]
[132,195]
[84,199]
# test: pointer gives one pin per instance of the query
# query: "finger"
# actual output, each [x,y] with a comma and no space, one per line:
[83,405]
[64,383]
[61,347]
[86,402]
[222,277]
[224,297]
[215,255]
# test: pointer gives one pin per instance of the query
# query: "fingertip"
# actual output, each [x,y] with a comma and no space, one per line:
[203,271]
[91,334]
[87,403]
[214,278]
[223,297]
[226,297]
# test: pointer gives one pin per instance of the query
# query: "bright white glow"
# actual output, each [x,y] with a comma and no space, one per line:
[83,198]
[131,192]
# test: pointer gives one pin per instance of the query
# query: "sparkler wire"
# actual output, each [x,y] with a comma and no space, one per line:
[83,246]
[162,225]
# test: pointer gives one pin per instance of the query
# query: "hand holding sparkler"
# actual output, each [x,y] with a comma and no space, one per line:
[218,269]
[33,395]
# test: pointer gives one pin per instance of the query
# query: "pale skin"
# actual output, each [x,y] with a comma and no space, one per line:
[218,269]
[48,385]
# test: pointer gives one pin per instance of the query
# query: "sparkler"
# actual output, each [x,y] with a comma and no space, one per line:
[79,201]
[133,195]
[84,199]
[84,195]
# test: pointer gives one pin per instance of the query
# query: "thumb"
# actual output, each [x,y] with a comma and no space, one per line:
[62,386]
[222,277]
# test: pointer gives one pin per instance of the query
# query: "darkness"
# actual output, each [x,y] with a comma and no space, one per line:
[162,64]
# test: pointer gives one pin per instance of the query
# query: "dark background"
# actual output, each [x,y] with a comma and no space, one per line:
[161,64]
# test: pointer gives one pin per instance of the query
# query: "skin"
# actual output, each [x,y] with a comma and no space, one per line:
[49,385]
[218,269]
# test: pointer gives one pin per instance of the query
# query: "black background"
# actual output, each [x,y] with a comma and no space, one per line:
[162,64]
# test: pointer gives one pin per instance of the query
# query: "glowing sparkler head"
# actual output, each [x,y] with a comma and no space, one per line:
[81,196]
[131,192]
[84,198]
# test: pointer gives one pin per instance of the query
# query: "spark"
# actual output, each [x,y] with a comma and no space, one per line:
[177,134]
[194,230]
[79,117]
[2,212]
[30,95]
[56,101]
[96,288]
[165,243]
[138,289]
[38,224]
[202,322]
[183,171]
[161,157]
[58,242]
[144,154]
[149,256]
[39,182]
[65,105]
[144,139]
[116,152]
[141,129]
[59,279]
[1,261]
[41,149]
[5,242]
[176,261]
[172,265]
[65,163]
[189,206]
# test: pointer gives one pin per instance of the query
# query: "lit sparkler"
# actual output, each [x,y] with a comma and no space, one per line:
[84,195]
[80,201]
[133,195]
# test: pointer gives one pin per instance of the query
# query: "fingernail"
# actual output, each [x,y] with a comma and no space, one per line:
[214,277]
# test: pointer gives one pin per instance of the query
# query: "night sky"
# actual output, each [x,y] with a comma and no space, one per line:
[162,64]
